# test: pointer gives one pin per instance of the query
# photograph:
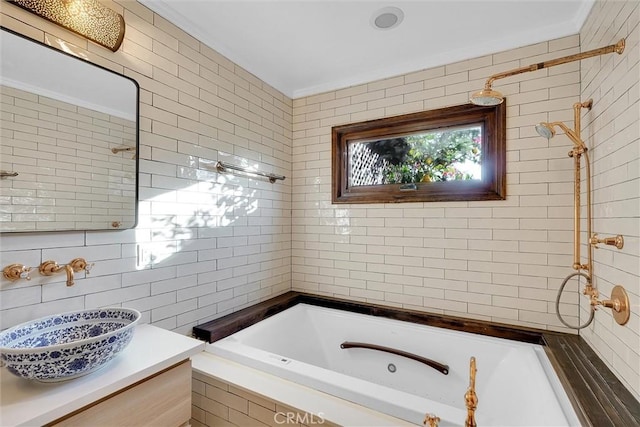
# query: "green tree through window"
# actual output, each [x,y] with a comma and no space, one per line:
[447,155]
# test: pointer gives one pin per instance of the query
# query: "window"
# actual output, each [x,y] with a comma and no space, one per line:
[449,154]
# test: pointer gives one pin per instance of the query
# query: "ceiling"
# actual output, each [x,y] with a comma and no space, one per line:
[305,47]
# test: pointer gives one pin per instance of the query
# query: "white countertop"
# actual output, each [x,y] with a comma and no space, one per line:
[32,403]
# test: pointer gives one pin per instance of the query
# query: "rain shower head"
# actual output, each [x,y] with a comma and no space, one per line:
[545,130]
[487,97]
[490,97]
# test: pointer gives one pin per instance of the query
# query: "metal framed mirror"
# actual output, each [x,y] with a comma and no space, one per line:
[69,141]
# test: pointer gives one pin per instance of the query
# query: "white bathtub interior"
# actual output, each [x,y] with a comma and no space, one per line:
[516,384]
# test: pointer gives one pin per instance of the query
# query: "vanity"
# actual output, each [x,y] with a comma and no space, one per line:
[149,383]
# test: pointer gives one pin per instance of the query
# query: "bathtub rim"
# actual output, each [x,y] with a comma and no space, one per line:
[596,394]
[253,347]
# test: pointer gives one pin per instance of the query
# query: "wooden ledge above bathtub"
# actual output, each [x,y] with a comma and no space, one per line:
[227,325]
[598,397]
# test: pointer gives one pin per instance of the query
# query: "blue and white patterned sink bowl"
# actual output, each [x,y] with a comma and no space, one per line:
[67,345]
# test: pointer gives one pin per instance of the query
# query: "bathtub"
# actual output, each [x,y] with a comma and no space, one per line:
[515,383]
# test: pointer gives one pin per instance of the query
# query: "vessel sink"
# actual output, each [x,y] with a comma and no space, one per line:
[67,345]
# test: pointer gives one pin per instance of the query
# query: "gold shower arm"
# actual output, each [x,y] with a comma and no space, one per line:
[617,48]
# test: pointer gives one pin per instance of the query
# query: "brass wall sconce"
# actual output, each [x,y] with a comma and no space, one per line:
[88,18]
[488,96]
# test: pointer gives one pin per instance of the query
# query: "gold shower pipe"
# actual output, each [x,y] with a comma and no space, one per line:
[578,150]
[617,48]
[488,96]
[619,302]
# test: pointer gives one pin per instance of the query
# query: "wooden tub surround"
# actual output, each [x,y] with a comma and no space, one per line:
[598,397]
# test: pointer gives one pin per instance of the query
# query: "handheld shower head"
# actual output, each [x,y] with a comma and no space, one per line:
[545,130]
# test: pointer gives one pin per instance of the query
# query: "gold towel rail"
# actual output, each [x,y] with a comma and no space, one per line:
[223,167]
[120,149]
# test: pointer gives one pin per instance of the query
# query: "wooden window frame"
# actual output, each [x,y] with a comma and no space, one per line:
[492,186]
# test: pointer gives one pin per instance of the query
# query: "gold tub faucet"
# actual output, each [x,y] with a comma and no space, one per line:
[431,420]
[470,397]
[470,400]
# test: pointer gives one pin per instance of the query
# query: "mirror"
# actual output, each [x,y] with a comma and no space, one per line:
[69,141]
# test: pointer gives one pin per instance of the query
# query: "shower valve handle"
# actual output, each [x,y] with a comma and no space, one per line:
[617,241]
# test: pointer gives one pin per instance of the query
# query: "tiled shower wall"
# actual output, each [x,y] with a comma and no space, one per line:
[500,260]
[612,133]
[68,176]
[496,260]
[206,244]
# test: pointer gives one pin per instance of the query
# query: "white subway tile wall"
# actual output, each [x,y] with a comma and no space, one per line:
[612,131]
[496,260]
[206,244]
[68,177]
[502,260]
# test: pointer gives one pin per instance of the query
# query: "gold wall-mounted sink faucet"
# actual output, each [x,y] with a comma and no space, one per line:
[49,268]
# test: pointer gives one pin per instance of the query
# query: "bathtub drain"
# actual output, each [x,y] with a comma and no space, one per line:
[391,367]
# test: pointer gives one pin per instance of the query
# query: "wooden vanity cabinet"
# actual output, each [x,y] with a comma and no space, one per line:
[163,399]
